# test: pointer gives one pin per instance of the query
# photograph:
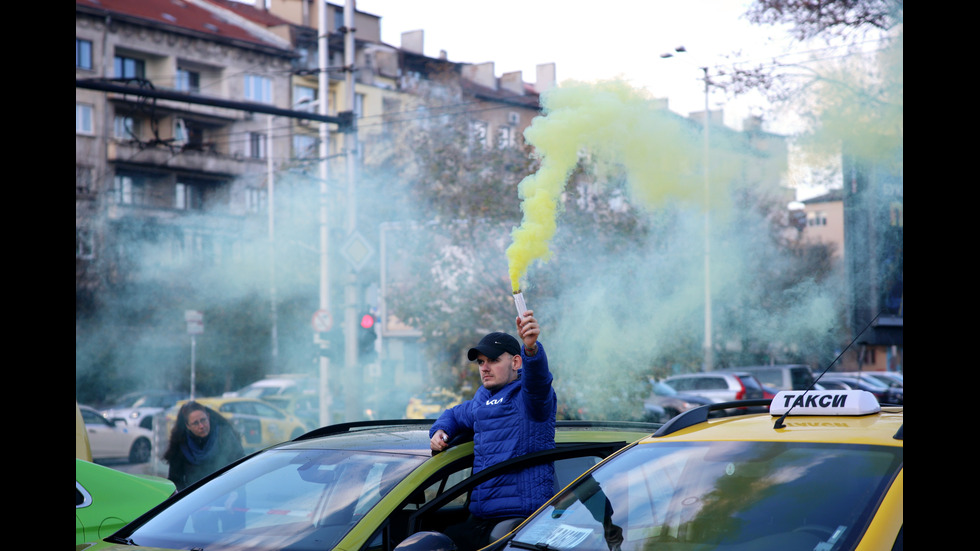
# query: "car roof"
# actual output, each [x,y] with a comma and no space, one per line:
[412,435]
[879,429]
[715,373]
[776,367]
[860,425]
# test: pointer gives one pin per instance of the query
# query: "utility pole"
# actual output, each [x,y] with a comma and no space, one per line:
[352,389]
[709,360]
[323,83]
[271,203]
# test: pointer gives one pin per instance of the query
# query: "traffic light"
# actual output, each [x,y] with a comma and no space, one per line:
[366,338]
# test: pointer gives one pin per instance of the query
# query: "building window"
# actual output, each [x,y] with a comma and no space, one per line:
[305,147]
[83,119]
[257,145]
[84,243]
[358,106]
[84,182]
[258,89]
[505,137]
[188,81]
[479,132]
[187,197]
[127,190]
[128,67]
[83,54]
[190,135]
[255,200]
[816,218]
[126,128]
[304,98]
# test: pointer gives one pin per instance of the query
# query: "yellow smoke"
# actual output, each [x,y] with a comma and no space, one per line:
[613,123]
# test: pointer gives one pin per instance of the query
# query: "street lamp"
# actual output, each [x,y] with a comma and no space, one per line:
[708,362]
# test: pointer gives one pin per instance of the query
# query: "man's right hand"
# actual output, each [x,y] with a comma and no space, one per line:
[439,441]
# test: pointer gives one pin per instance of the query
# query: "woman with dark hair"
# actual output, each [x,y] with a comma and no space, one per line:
[201,442]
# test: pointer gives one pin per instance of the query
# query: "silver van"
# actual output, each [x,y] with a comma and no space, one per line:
[782,377]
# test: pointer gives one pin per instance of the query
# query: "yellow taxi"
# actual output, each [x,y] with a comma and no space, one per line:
[432,404]
[259,423]
[821,471]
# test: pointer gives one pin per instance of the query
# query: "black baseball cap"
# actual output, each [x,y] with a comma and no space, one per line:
[493,345]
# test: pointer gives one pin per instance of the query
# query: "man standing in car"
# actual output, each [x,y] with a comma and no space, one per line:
[512,414]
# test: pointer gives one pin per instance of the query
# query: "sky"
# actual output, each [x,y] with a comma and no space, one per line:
[613,39]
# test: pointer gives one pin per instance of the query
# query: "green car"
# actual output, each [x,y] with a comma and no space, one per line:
[107,499]
[366,485]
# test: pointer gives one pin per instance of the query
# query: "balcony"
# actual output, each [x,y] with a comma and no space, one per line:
[203,160]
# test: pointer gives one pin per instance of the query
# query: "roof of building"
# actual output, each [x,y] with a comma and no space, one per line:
[212,20]
[830,196]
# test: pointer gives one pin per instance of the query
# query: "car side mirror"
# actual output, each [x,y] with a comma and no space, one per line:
[427,541]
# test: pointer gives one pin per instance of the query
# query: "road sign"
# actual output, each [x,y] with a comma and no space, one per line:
[322,321]
[357,250]
[195,322]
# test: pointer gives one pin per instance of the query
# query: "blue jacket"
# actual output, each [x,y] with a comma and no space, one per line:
[515,420]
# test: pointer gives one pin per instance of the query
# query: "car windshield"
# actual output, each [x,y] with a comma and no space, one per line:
[663,389]
[720,495]
[281,499]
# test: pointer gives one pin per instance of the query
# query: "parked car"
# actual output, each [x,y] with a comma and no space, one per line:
[107,499]
[431,404]
[718,386]
[665,402]
[832,480]
[782,377]
[115,440]
[82,448]
[883,393]
[277,385]
[890,378]
[259,423]
[361,485]
[305,407]
[138,408]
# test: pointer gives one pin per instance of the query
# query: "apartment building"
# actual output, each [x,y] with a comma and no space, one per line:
[824,224]
[169,189]
[190,177]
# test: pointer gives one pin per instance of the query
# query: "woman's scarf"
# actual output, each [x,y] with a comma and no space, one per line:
[198,452]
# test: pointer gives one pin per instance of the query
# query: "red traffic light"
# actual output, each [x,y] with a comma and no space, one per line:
[367,321]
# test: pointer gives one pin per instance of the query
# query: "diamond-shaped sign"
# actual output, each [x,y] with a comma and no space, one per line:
[357,250]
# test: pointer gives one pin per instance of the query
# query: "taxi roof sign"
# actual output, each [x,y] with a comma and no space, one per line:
[824,402]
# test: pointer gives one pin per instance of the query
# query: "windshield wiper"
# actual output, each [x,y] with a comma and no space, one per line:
[525,545]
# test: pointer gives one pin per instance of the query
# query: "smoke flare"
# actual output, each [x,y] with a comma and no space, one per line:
[616,124]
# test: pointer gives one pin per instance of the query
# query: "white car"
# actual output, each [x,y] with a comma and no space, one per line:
[276,386]
[138,408]
[116,440]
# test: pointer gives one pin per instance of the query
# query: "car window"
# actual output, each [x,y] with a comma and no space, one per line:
[710,383]
[683,383]
[283,499]
[801,377]
[93,418]
[750,382]
[698,495]
[263,410]
[769,377]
